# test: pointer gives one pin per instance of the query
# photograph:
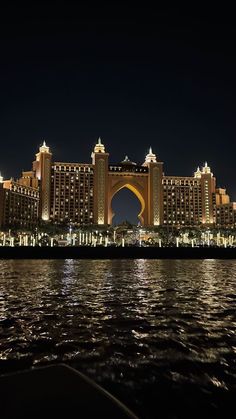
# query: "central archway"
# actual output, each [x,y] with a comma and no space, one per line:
[126,206]
[138,189]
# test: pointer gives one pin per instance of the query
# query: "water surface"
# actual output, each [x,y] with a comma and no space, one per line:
[155,333]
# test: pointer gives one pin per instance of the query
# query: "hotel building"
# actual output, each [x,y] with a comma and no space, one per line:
[18,205]
[81,194]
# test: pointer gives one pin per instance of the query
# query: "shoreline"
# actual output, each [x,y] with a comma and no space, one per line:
[87,252]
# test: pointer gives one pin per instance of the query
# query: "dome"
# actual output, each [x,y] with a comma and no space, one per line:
[127,162]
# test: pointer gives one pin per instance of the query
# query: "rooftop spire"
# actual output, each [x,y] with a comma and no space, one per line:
[150,157]
[198,172]
[206,168]
[99,147]
[44,148]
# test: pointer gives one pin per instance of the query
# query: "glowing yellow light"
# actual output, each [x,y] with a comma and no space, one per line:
[99,147]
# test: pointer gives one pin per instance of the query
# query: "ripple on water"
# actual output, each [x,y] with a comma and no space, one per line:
[146,330]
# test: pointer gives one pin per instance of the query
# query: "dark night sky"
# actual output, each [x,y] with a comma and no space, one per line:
[134,76]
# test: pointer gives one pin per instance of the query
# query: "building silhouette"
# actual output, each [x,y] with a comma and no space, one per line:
[81,194]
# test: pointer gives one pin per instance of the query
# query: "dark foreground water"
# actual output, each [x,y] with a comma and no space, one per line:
[158,334]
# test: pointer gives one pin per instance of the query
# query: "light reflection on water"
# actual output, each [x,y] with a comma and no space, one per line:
[142,328]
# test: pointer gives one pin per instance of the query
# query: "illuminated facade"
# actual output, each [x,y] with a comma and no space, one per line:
[18,205]
[72,193]
[226,215]
[81,194]
[42,169]
[189,200]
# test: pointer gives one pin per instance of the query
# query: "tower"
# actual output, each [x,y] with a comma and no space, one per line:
[100,162]
[208,193]
[155,201]
[42,168]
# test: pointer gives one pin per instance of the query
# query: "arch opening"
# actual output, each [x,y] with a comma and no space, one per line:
[127,204]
